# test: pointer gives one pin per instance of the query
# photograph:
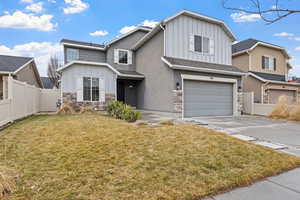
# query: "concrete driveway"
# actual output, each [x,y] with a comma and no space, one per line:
[277,132]
[281,135]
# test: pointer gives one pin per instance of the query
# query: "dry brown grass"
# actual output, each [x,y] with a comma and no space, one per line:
[95,157]
[281,110]
[66,109]
[7,181]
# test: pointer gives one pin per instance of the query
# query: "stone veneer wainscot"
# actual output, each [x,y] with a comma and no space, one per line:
[71,99]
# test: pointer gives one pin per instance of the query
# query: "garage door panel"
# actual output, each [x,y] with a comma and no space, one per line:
[207,98]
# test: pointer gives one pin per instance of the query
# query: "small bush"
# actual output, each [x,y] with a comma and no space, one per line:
[167,122]
[87,109]
[120,110]
[66,109]
[295,113]
[281,110]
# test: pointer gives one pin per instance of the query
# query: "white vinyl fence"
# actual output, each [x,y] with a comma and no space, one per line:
[249,107]
[24,100]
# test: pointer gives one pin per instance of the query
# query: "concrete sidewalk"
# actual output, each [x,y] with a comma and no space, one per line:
[283,187]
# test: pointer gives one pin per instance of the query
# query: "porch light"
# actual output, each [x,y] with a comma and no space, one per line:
[177,86]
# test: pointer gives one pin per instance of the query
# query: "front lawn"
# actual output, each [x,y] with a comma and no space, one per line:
[95,157]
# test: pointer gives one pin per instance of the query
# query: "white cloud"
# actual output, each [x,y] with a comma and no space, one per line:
[127,29]
[244,17]
[99,33]
[283,34]
[26,1]
[148,23]
[20,20]
[52,1]
[297,48]
[41,51]
[296,38]
[75,6]
[35,7]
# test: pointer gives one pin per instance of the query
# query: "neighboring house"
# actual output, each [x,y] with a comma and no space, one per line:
[20,68]
[47,83]
[267,66]
[183,65]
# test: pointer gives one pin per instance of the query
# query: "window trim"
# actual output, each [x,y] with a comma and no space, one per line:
[202,45]
[128,52]
[73,49]
[91,90]
[267,67]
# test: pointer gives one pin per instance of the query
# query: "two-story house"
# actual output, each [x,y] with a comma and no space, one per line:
[267,66]
[183,66]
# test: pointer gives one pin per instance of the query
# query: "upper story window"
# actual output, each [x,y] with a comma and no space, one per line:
[122,57]
[72,54]
[269,63]
[201,44]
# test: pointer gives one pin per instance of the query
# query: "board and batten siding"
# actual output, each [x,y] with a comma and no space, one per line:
[177,37]
[70,76]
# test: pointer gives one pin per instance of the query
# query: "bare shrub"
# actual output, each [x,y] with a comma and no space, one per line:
[281,110]
[87,110]
[167,122]
[295,113]
[66,109]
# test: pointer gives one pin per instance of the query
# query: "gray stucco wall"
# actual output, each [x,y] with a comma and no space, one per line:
[156,91]
[87,55]
[125,43]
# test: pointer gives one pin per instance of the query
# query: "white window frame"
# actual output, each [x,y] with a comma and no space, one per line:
[68,54]
[128,52]
[202,45]
[271,58]
[91,90]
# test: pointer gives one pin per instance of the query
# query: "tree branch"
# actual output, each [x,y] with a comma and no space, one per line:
[280,12]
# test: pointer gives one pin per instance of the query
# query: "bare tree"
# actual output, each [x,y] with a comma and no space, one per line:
[53,75]
[270,13]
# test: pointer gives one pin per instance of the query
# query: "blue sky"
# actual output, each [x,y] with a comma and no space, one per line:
[35,27]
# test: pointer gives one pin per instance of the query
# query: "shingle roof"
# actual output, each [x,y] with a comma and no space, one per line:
[47,83]
[270,77]
[247,44]
[183,62]
[12,63]
[82,43]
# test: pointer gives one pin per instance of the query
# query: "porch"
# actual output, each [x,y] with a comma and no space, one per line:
[127,91]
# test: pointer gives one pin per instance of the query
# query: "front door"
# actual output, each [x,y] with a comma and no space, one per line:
[121,91]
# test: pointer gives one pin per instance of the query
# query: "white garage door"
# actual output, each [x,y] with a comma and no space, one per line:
[203,98]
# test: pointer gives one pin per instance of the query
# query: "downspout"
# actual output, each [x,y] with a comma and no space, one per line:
[263,91]
[162,27]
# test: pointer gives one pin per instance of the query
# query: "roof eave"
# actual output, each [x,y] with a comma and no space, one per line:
[201,69]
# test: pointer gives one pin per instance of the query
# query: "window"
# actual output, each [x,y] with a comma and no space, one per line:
[90,89]
[72,54]
[269,63]
[201,44]
[123,57]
